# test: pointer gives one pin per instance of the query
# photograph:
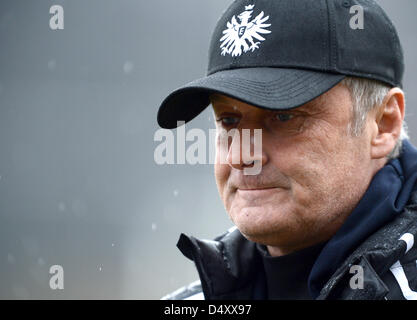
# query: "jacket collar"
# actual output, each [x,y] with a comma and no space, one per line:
[228,266]
[375,255]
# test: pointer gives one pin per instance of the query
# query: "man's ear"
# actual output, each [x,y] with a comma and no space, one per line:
[389,120]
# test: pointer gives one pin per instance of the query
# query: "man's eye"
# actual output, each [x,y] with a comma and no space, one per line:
[284,117]
[229,121]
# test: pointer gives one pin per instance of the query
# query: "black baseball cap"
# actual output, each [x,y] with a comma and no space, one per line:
[281,54]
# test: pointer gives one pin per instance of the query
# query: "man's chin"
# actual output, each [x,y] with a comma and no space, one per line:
[264,237]
[264,222]
[266,233]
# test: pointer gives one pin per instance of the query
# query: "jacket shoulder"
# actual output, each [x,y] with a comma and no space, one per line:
[193,291]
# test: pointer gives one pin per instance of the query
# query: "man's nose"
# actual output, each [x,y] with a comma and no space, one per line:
[246,149]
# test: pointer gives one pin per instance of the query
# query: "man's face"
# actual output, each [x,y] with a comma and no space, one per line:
[314,171]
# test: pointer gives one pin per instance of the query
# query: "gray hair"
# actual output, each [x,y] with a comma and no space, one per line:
[366,95]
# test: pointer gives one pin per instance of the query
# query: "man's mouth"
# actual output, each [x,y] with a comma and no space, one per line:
[256,188]
[252,194]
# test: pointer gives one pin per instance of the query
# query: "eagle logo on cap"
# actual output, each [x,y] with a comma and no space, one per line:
[239,37]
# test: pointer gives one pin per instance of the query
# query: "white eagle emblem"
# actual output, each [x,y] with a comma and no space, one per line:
[240,36]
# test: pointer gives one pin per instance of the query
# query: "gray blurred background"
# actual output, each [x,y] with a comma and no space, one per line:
[78,183]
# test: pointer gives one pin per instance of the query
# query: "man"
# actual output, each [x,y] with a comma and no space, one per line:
[333,212]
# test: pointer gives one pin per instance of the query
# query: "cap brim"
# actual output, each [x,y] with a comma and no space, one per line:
[268,88]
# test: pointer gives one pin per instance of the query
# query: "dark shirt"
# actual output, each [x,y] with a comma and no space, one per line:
[287,276]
